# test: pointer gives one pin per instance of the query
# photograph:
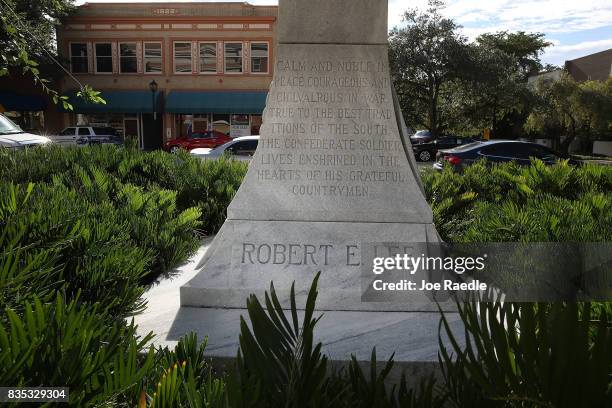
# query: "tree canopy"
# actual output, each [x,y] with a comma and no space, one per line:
[426,55]
[447,84]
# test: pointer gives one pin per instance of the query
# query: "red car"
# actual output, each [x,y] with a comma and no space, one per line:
[208,139]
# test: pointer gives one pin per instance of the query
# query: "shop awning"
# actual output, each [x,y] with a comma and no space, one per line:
[118,102]
[216,102]
[13,101]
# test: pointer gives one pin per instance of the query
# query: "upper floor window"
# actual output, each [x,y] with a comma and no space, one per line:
[104,58]
[259,58]
[233,57]
[152,57]
[208,58]
[79,62]
[182,57]
[128,63]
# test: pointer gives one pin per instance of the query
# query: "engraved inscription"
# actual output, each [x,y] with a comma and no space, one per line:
[327,129]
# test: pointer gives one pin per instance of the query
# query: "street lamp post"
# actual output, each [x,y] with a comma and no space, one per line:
[153,88]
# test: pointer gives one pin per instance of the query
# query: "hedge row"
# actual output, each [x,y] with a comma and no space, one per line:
[512,203]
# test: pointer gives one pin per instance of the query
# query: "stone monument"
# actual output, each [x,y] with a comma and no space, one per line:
[331,173]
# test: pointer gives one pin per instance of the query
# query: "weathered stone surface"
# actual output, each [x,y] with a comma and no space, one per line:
[333,22]
[249,254]
[330,147]
[330,176]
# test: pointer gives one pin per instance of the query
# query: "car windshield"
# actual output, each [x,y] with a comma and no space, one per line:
[7,127]
[422,133]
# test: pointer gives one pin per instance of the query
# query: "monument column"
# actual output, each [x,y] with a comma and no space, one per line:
[331,173]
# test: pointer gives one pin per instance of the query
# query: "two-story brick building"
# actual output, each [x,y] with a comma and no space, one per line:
[211,62]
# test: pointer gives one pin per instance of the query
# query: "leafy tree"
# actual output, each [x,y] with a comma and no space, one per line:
[493,89]
[524,49]
[27,44]
[566,107]
[425,56]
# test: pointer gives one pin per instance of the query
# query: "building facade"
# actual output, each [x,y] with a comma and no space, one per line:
[212,64]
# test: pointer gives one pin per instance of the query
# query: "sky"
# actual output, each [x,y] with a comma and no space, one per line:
[574,27]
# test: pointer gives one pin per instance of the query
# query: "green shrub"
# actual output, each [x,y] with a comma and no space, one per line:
[73,345]
[209,185]
[523,354]
[507,202]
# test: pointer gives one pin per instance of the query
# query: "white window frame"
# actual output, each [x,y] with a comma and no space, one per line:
[225,57]
[200,58]
[135,56]
[70,53]
[144,58]
[267,56]
[174,57]
[95,58]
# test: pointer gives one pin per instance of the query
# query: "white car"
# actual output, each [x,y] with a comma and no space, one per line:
[241,148]
[12,137]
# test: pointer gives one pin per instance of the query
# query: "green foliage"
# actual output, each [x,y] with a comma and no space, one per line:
[426,55]
[103,220]
[208,185]
[72,345]
[447,84]
[523,354]
[279,365]
[279,353]
[188,381]
[576,110]
[510,203]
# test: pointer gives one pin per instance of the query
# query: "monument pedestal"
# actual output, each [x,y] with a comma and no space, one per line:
[331,178]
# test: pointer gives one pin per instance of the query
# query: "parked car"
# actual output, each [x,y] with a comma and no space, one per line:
[240,148]
[13,137]
[88,135]
[209,139]
[427,151]
[498,151]
[422,136]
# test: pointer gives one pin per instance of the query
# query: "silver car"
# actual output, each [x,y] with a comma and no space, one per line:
[13,137]
[240,148]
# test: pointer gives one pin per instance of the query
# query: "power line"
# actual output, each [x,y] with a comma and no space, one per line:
[42,47]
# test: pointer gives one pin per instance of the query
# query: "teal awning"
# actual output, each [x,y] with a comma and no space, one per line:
[13,101]
[216,102]
[118,102]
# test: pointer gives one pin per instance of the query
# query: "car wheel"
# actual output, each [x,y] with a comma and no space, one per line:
[174,149]
[425,155]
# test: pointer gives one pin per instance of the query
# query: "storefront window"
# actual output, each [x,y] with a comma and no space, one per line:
[152,57]
[182,57]
[128,62]
[233,57]
[221,123]
[239,126]
[208,58]
[104,58]
[259,58]
[78,58]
